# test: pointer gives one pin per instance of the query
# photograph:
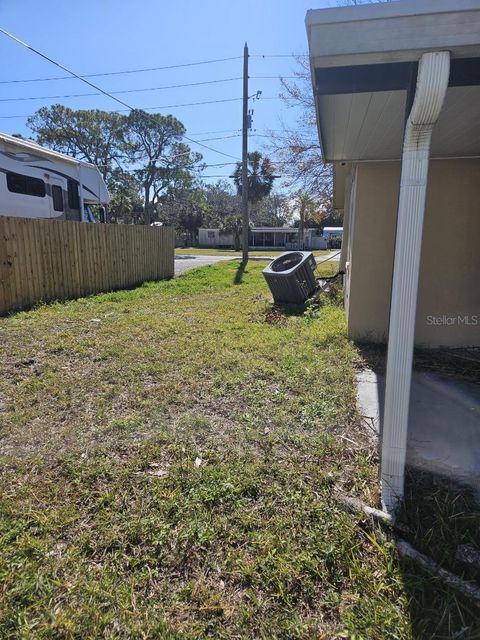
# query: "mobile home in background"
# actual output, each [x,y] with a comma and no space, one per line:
[36,182]
[268,238]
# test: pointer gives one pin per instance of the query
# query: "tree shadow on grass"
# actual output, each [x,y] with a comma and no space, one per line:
[238,279]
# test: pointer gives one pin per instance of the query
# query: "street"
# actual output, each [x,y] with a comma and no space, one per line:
[188,261]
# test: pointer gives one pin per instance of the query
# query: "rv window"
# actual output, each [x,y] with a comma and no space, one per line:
[35,187]
[73,197]
[18,183]
[57,198]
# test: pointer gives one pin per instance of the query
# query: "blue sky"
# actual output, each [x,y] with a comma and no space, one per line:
[96,36]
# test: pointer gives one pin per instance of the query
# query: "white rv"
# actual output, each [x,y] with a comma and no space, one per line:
[36,182]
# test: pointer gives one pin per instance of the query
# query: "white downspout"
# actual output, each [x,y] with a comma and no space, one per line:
[432,83]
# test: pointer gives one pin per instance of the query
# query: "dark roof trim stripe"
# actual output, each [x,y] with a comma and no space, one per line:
[393,76]
[363,78]
[65,175]
[464,72]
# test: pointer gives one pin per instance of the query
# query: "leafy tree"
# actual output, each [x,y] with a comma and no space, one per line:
[191,214]
[273,211]
[125,200]
[154,145]
[92,135]
[185,210]
[330,216]
[148,147]
[222,203]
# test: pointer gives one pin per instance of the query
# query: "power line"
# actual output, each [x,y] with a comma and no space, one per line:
[148,69]
[206,133]
[81,95]
[143,89]
[236,135]
[193,104]
[221,164]
[229,176]
[117,73]
[279,55]
[166,106]
[124,104]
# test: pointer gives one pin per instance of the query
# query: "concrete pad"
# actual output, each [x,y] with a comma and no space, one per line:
[444,423]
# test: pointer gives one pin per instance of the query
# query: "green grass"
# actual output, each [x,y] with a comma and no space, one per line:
[196,251]
[169,456]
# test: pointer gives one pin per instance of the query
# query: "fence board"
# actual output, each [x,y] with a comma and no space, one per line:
[5,288]
[43,260]
[59,282]
[35,262]
[12,252]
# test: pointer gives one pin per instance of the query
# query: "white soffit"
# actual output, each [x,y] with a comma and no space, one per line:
[369,126]
[363,126]
[457,132]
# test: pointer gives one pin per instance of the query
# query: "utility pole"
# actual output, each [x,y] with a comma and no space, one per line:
[245,126]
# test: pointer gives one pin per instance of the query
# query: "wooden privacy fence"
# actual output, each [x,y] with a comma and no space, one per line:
[42,260]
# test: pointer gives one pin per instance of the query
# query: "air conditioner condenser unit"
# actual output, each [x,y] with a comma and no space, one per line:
[291,277]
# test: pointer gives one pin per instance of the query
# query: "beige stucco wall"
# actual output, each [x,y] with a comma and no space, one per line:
[448,311]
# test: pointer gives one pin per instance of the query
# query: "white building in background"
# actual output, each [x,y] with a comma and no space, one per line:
[214,239]
[265,238]
[332,231]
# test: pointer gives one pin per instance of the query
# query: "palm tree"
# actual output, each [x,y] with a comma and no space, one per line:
[260,177]
[260,181]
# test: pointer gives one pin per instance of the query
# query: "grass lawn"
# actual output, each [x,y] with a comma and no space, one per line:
[195,251]
[169,456]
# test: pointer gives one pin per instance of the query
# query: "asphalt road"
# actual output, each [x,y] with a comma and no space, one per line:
[185,262]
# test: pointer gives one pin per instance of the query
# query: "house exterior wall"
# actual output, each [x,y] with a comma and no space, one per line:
[448,309]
